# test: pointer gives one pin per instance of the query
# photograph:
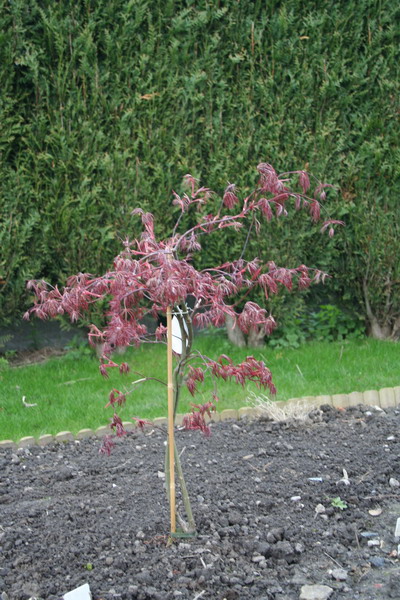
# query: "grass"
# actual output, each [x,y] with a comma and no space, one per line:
[70,394]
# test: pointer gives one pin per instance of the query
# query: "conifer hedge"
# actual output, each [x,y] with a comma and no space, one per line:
[106,104]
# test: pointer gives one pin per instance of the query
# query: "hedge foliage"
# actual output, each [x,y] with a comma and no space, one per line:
[106,104]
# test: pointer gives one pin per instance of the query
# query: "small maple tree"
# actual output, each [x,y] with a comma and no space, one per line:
[149,276]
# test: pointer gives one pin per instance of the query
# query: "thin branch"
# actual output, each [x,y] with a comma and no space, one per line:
[247,237]
[143,379]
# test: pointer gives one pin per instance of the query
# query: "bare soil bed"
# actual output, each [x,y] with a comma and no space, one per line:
[32,357]
[263,495]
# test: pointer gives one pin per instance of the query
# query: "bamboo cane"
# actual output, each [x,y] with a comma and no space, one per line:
[171,441]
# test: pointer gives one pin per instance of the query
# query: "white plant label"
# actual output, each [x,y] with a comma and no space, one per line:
[177,335]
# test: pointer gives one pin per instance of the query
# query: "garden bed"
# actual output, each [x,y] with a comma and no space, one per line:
[273,507]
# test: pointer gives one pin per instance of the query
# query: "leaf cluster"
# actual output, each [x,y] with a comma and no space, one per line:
[152,276]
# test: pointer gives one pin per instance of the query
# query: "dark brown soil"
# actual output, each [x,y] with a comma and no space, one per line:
[70,515]
[31,357]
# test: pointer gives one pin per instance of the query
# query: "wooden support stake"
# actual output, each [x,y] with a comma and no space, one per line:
[171,441]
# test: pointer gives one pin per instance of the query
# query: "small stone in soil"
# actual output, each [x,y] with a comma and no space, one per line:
[377,561]
[369,534]
[257,558]
[299,548]
[339,574]
[315,592]
[374,542]
[397,531]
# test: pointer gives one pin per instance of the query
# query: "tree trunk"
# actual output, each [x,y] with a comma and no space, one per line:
[235,334]
[256,338]
[396,329]
[376,330]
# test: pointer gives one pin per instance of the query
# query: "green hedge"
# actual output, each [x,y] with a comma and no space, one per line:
[106,104]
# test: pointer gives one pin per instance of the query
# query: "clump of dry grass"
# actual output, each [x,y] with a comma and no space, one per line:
[292,410]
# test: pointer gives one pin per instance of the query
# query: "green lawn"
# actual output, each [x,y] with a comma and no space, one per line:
[71,394]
